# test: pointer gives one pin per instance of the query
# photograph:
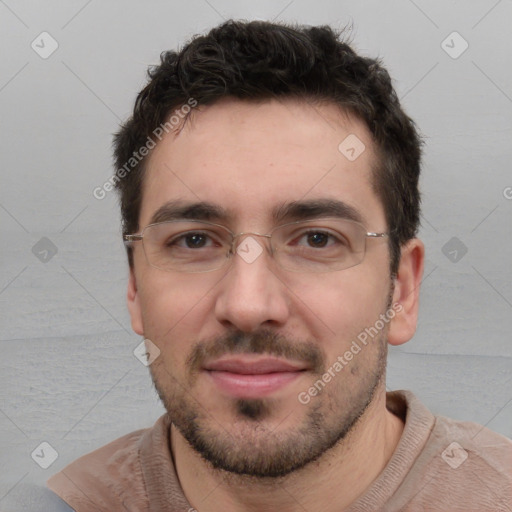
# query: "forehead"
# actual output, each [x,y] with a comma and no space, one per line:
[251,159]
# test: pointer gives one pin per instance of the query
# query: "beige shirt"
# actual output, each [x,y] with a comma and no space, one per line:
[439,465]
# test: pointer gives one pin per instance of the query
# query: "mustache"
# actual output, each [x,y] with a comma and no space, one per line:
[263,341]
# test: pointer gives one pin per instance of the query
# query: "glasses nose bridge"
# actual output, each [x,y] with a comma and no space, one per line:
[237,239]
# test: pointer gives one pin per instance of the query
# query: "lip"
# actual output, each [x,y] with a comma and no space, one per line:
[249,377]
[252,366]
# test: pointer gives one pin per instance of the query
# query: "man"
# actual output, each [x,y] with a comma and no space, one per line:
[268,183]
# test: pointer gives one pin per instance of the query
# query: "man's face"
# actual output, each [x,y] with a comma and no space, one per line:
[240,344]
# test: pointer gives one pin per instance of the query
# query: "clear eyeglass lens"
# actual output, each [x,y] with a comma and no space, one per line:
[312,246]
[186,246]
[319,245]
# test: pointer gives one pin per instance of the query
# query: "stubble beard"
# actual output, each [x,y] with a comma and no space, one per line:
[249,446]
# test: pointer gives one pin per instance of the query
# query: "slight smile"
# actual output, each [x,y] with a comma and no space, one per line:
[247,377]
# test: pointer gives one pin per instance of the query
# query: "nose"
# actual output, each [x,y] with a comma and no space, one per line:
[252,295]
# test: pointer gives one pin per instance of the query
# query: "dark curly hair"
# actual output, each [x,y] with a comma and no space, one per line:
[259,60]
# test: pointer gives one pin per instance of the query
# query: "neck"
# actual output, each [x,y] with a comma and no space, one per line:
[344,471]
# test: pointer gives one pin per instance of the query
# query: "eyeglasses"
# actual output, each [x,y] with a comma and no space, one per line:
[318,245]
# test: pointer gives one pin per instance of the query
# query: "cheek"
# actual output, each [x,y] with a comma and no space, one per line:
[342,296]
[172,310]
[336,308]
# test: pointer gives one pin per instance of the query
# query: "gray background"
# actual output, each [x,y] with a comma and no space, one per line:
[67,372]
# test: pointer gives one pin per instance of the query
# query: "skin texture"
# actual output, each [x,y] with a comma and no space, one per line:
[234,454]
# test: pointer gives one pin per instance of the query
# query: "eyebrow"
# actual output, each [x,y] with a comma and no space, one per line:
[314,209]
[286,212]
[180,210]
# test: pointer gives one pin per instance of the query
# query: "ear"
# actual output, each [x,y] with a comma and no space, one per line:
[406,292]
[132,297]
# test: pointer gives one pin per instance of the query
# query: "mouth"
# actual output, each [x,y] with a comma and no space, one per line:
[252,377]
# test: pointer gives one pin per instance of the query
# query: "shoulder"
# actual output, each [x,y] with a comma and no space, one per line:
[107,477]
[446,464]
[462,441]
[453,439]
[463,465]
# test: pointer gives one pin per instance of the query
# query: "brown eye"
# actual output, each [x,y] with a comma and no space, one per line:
[195,240]
[191,240]
[318,239]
